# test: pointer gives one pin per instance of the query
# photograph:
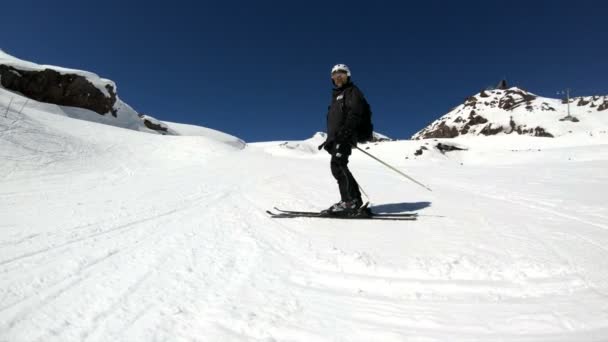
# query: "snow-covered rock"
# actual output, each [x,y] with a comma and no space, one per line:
[517,111]
[75,93]
[83,95]
[378,137]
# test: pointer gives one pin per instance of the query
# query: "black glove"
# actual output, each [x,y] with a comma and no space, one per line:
[327,146]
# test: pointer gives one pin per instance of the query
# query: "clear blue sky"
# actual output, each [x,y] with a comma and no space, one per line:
[260,69]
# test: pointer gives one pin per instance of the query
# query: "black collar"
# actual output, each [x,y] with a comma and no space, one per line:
[348,84]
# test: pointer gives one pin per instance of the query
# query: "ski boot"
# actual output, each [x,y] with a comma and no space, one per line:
[345,208]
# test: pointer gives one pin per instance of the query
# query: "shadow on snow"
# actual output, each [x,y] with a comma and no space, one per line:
[394,208]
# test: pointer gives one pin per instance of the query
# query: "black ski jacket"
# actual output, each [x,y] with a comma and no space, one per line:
[345,114]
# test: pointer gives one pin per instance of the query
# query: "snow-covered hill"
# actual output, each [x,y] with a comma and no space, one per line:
[74,93]
[81,95]
[516,111]
[112,234]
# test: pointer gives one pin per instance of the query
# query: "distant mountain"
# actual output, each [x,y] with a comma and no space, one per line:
[517,111]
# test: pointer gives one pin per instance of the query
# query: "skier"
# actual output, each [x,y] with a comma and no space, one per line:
[346,113]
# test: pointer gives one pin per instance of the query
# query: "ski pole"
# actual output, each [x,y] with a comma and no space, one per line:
[363,191]
[394,169]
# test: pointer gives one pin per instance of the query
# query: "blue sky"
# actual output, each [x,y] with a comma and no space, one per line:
[260,69]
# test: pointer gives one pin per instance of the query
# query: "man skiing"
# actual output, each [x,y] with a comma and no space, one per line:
[344,117]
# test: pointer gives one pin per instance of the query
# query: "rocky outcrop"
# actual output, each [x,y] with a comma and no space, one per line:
[50,86]
[156,125]
[538,131]
[523,129]
[441,131]
[489,130]
[420,150]
[473,120]
[517,111]
[514,98]
[443,148]
[569,118]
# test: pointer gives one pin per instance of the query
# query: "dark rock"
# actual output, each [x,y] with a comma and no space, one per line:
[447,148]
[569,118]
[603,106]
[488,130]
[509,101]
[484,94]
[441,131]
[537,131]
[154,126]
[582,102]
[471,101]
[420,150]
[50,86]
[474,119]
[540,132]
[547,107]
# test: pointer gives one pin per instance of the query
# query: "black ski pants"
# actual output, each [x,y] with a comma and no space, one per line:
[349,189]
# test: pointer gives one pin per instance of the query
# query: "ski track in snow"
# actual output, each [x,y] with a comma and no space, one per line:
[113,235]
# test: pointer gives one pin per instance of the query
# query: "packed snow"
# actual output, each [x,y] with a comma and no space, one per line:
[110,234]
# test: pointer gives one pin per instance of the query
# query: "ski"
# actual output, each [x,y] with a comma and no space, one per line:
[328,216]
[372,213]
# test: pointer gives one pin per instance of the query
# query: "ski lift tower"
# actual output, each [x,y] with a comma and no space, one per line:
[567,93]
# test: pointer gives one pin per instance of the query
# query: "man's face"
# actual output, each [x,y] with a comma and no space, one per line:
[339,77]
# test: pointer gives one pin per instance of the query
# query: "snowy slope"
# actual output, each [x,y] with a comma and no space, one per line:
[516,111]
[192,130]
[108,234]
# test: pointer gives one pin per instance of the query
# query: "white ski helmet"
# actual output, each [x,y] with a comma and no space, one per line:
[341,67]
